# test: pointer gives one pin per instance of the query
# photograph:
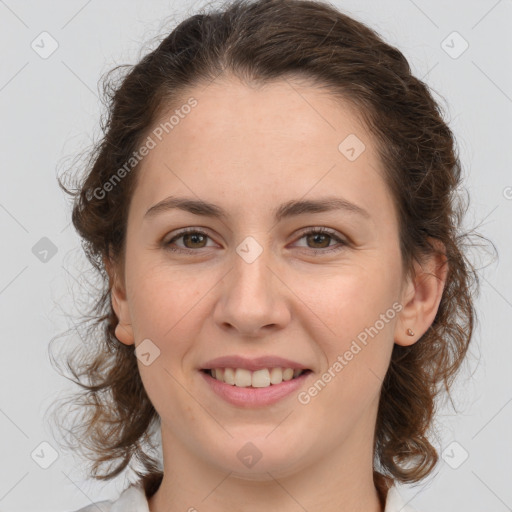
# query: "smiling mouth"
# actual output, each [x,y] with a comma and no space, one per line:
[243,378]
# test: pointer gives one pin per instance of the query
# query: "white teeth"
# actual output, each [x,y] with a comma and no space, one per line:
[288,374]
[229,376]
[260,378]
[276,375]
[263,378]
[242,378]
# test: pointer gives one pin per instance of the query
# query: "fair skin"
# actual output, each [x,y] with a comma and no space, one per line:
[249,150]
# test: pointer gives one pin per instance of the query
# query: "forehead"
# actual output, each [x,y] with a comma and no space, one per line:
[245,142]
[283,114]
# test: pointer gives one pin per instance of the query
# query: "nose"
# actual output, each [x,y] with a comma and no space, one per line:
[254,299]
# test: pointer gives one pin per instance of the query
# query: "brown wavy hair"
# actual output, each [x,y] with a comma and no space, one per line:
[261,41]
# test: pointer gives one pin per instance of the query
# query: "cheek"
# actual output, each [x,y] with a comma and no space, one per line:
[162,299]
[349,298]
[357,308]
[357,345]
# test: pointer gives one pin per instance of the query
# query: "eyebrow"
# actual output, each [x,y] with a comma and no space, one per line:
[286,210]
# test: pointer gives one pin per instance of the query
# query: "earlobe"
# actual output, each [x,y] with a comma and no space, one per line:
[124,334]
[123,330]
[422,297]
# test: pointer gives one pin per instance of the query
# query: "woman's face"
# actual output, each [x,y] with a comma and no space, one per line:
[254,284]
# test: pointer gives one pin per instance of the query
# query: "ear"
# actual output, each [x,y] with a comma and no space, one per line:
[421,296]
[123,331]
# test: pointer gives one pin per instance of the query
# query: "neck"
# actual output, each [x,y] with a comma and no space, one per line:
[340,482]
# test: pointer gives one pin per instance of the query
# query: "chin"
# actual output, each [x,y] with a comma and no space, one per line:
[260,459]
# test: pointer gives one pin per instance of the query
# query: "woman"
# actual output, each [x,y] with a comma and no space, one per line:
[273,211]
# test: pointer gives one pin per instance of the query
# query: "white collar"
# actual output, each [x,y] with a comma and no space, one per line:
[133,499]
[395,502]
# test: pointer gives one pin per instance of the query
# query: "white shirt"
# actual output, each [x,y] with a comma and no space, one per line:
[133,499]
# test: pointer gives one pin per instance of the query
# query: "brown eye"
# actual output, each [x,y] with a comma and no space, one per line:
[319,241]
[193,239]
[319,238]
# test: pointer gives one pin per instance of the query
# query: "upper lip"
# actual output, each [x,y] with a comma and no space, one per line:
[252,364]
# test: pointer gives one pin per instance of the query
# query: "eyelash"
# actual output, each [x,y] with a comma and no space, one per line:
[322,231]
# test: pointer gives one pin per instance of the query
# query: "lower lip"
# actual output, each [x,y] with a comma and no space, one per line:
[254,397]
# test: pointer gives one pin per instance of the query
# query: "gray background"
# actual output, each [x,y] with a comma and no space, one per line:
[50,111]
